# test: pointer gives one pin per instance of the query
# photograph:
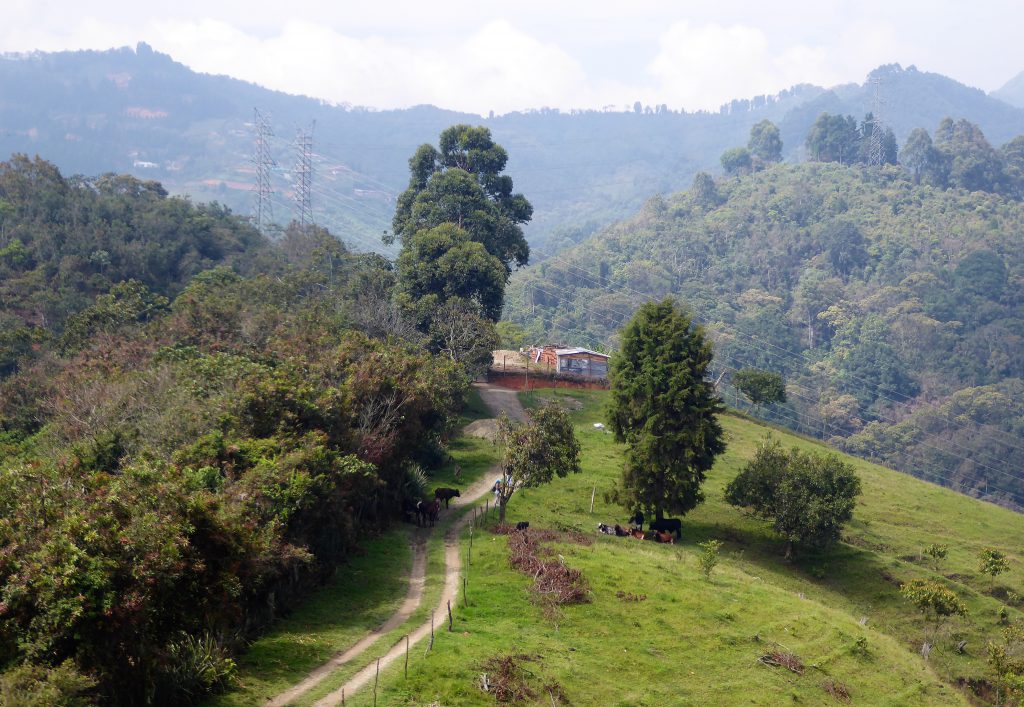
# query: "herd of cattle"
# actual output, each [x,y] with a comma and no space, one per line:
[660,530]
[424,512]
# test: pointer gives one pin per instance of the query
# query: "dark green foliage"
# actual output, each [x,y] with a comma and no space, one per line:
[973,164]
[737,161]
[65,241]
[462,184]
[765,144]
[174,475]
[834,138]
[807,496]
[664,409]
[760,387]
[536,451]
[443,264]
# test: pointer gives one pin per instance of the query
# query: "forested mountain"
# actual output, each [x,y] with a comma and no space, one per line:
[880,300]
[138,111]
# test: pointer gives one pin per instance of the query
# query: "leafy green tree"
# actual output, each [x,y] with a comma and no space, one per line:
[462,183]
[127,303]
[807,496]
[737,161]
[765,144]
[1012,154]
[704,190]
[459,332]
[760,387]
[834,138]
[936,601]
[937,553]
[664,409]
[536,451]
[710,554]
[993,563]
[973,163]
[919,155]
[444,263]
[1007,661]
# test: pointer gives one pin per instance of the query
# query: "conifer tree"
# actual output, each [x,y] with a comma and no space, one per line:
[665,410]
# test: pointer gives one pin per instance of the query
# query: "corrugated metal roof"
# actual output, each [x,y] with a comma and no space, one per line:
[567,352]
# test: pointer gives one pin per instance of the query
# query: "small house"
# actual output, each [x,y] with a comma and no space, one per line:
[570,361]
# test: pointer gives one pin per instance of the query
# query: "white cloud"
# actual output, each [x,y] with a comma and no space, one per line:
[703,67]
[498,67]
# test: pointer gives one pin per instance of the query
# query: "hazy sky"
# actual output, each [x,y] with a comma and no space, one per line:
[479,56]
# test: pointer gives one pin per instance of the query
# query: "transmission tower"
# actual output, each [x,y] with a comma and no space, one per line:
[303,176]
[263,163]
[876,146]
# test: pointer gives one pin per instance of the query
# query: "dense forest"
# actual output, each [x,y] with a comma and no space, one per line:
[195,425]
[889,300]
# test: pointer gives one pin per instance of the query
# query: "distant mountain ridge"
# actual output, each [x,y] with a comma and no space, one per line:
[1012,91]
[139,111]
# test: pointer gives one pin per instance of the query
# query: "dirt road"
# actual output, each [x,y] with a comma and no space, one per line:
[497,400]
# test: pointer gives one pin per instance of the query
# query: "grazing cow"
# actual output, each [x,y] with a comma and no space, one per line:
[446,495]
[637,533]
[429,510]
[606,529]
[522,525]
[668,525]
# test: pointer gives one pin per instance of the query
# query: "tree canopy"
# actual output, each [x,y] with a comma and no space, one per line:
[664,409]
[462,183]
[536,451]
[807,496]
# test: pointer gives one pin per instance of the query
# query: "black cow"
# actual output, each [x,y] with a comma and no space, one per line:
[429,510]
[522,525]
[637,519]
[668,525]
[446,495]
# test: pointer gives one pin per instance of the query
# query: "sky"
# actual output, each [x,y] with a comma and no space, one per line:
[478,56]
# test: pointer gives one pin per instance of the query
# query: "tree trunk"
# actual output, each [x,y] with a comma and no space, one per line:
[501,510]
[659,514]
[789,550]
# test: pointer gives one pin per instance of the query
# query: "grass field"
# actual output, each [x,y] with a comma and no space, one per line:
[693,641]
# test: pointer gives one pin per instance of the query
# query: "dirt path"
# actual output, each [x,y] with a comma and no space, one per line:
[497,401]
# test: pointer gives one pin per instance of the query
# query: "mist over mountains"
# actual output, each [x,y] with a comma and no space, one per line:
[139,111]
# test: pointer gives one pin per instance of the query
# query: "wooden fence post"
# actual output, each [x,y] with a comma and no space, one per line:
[451,623]
[465,592]
[592,494]
[431,630]
[376,677]
[406,656]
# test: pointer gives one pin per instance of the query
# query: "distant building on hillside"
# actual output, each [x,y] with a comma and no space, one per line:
[569,361]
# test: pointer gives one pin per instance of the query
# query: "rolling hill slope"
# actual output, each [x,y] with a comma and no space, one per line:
[656,632]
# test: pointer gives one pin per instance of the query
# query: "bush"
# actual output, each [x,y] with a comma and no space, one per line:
[709,556]
[807,496]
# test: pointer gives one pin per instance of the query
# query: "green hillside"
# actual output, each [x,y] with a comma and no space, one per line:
[697,641]
[880,300]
